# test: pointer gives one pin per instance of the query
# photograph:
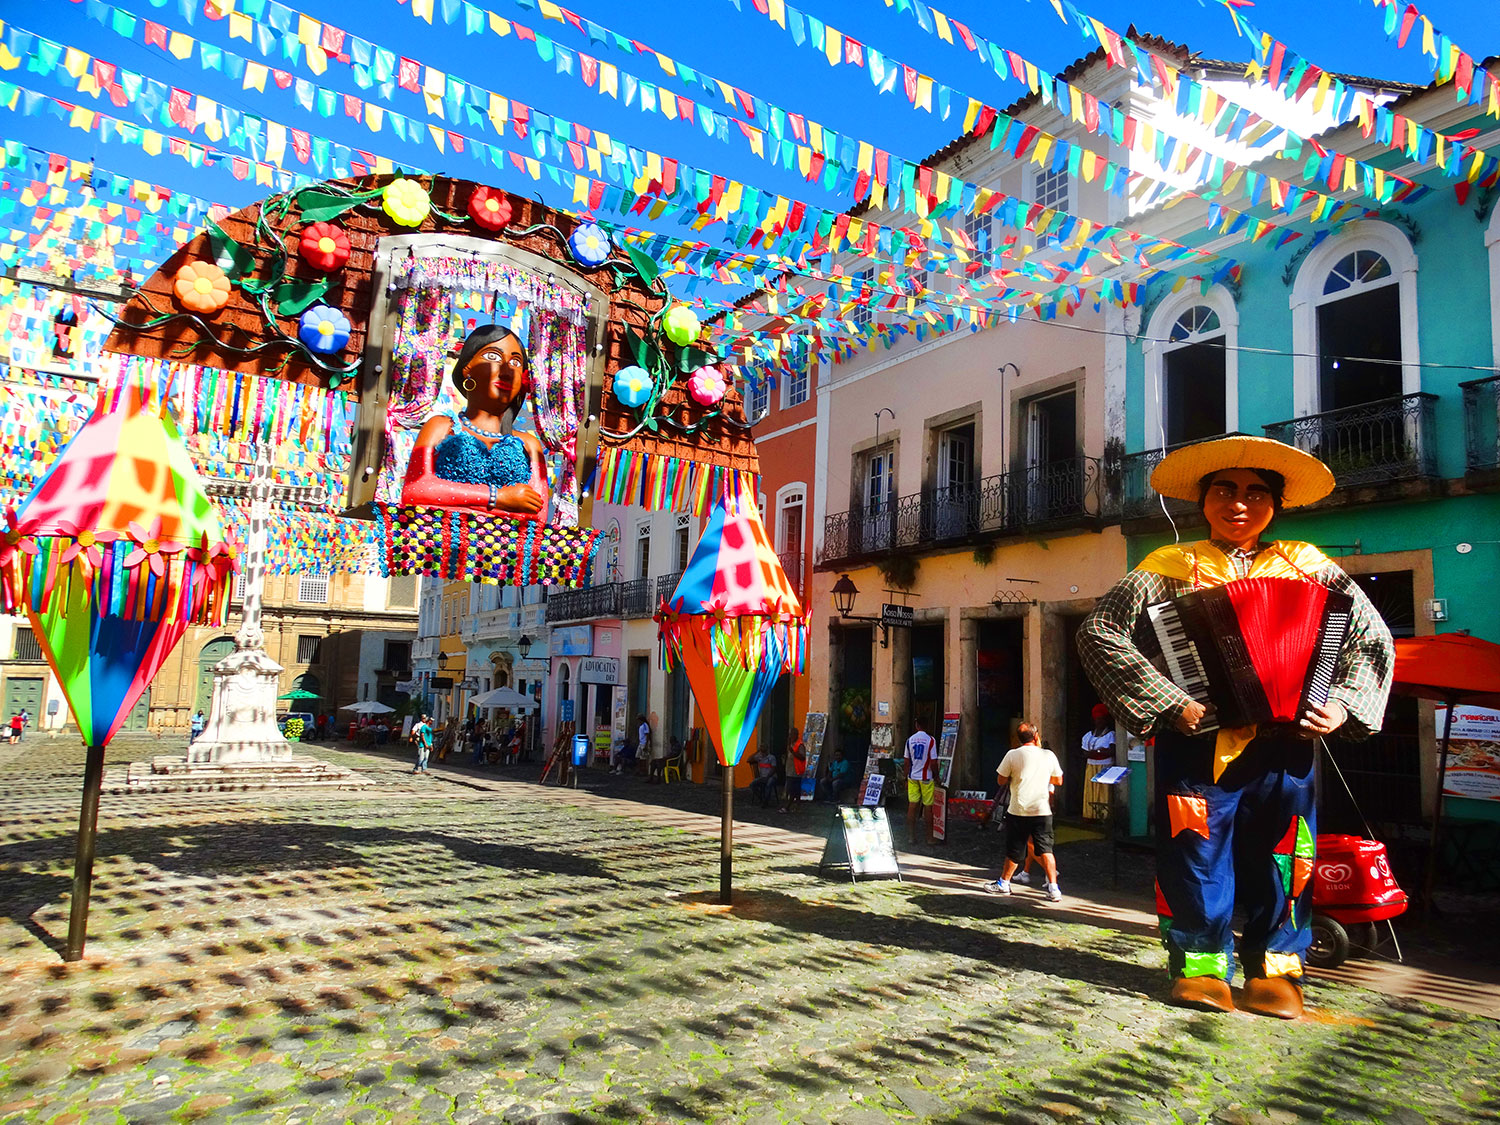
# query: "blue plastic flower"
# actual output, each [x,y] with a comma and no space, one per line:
[324,329]
[589,244]
[632,386]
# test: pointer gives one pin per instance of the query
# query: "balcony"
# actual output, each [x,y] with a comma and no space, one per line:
[1055,496]
[636,598]
[27,646]
[1137,499]
[1482,431]
[666,586]
[588,604]
[1375,443]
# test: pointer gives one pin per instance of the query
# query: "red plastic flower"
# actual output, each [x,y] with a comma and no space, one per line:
[325,247]
[14,539]
[490,208]
[86,542]
[151,547]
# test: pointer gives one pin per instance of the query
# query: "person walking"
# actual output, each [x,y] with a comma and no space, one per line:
[921,779]
[195,727]
[16,724]
[1032,770]
[25,721]
[422,733]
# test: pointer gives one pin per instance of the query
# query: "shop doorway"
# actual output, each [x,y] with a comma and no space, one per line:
[852,707]
[679,705]
[1384,773]
[776,718]
[999,694]
[927,679]
[1078,699]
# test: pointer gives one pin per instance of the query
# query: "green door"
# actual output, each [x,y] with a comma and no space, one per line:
[140,713]
[213,652]
[24,693]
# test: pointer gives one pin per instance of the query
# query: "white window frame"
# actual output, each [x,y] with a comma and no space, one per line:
[643,558]
[863,316]
[307,589]
[974,224]
[786,496]
[1307,295]
[758,400]
[1492,244]
[1157,345]
[795,388]
[1052,190]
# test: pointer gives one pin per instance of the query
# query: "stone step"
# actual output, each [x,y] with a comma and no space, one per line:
[178,775]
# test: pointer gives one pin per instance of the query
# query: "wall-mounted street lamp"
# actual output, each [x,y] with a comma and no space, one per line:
[523,646]
[844,593]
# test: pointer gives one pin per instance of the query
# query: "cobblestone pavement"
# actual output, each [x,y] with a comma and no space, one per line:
[451,948]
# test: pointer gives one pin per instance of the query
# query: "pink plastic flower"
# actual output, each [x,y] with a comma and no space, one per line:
[14,539]
[707,386]
[151,547]
[86,542]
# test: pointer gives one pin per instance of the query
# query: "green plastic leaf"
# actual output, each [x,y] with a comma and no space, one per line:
[294,297]
[229,255]
[645,264]
[690,359]
[639,349]
[320,206]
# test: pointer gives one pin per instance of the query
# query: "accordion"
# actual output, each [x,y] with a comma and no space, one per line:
[1260,650]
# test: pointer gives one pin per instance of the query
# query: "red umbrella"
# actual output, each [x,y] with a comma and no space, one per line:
[1451,668]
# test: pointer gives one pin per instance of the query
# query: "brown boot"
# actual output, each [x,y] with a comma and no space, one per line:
[1272,996]
[1207,994]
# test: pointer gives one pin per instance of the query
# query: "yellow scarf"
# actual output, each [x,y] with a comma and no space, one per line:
[1203,564]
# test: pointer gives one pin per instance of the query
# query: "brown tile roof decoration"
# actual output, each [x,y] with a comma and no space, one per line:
[238,338]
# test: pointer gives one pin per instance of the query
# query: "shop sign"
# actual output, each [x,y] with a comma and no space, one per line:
[573,640]
[1473,753]
[599,670]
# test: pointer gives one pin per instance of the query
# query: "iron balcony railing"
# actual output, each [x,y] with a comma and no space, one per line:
[584,605]
[636,599]
[1136,498]
[666,586]
[1482,423]
[1373,443]
[27,646]
[1058,494]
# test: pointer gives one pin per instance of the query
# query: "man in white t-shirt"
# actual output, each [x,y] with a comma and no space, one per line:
[921,779]
[1032,770]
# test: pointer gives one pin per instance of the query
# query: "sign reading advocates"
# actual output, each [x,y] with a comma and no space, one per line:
[598,670]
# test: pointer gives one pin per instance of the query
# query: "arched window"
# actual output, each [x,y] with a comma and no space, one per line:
[1192,368]
[1354,320]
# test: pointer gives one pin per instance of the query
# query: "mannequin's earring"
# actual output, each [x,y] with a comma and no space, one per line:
[468,384]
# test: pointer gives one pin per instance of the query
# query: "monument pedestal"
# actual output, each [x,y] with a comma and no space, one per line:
[241,726]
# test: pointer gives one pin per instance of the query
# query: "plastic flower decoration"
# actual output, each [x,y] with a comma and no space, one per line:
[490,208]
[325,247]
[682,325]
[151,547]
[406,202]
[707,386]
[13,539]
[201,287]
[589,244]
[324,329]
[86,542]
[632,386]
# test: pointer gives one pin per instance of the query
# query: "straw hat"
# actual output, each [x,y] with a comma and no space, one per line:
[1307,478]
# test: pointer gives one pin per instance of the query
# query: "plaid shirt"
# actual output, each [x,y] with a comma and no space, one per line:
[1118,644]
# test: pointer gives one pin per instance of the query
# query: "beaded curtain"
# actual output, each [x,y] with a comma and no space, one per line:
[430,329]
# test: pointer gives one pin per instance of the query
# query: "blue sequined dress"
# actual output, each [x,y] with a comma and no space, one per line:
[463,458]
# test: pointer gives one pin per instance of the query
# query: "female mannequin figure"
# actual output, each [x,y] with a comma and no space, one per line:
[474,460]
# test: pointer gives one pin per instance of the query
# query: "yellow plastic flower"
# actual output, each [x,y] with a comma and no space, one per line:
[406,202]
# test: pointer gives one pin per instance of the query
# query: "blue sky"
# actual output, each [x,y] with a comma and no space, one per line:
[731,41]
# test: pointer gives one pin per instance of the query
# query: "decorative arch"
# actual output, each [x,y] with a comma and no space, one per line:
[1159,342]
[1392,244]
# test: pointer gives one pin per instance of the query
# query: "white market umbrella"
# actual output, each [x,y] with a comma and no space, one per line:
[368,707]
[504,697]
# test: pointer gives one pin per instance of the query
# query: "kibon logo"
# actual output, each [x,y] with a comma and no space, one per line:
[1335,872]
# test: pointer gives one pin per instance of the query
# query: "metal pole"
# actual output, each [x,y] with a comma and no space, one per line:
[726,841]
[83,861]
[1429,879]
